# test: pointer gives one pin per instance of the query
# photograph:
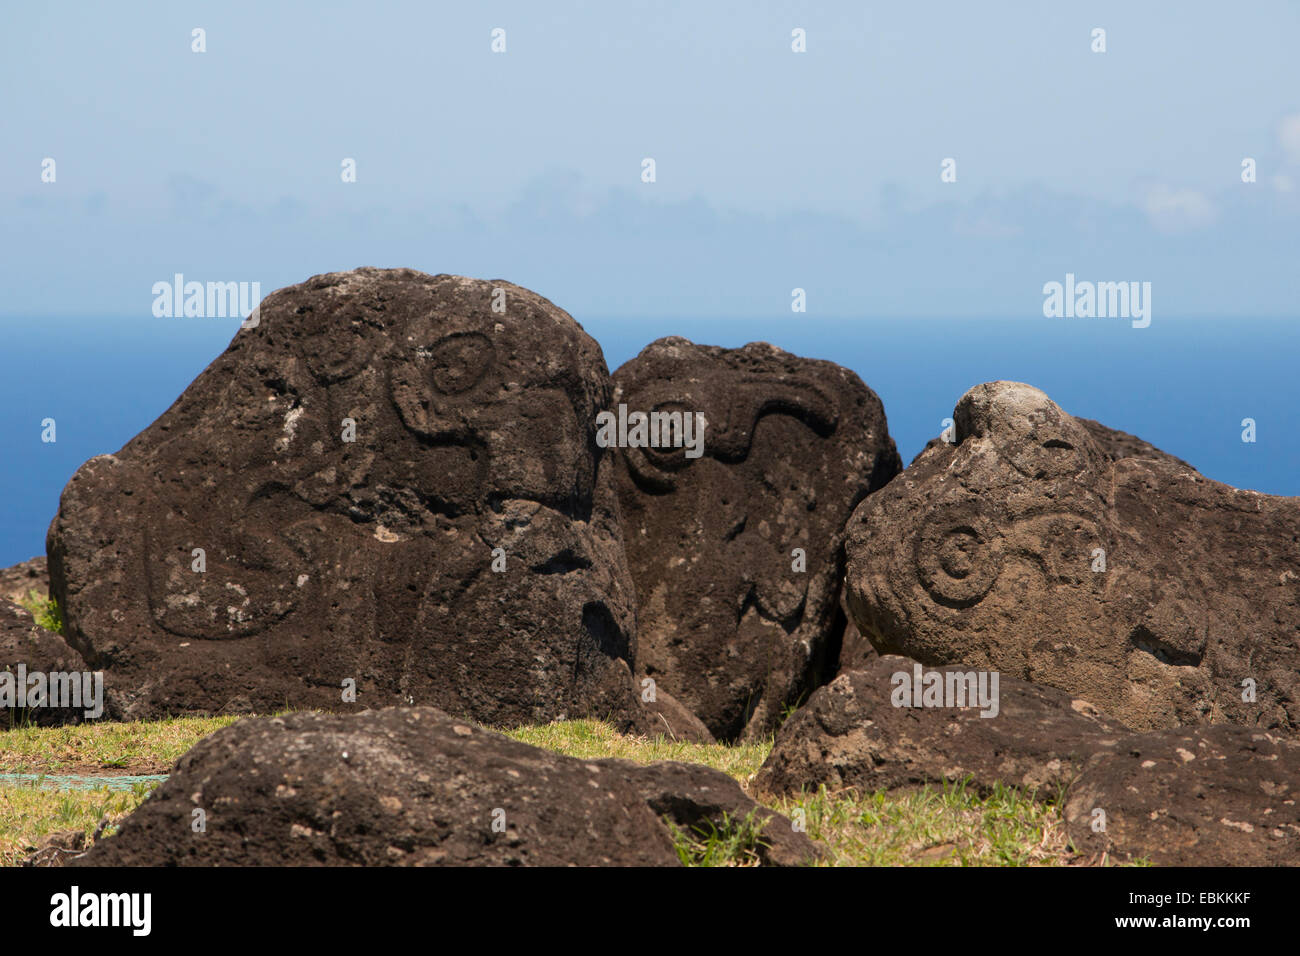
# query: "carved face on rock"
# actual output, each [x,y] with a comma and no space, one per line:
[736,553]
[1023,547]
[1015,500]
[392,483]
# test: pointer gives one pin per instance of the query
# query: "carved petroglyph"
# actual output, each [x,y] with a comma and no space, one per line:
[731,624]
[350,467]
[1030,547]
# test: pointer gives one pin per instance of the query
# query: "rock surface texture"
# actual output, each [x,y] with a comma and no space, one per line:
[20,580]
[391,482]
[850,734]
[27,649]
[1195,796]
[1220,795]
[728,623]
[1029,548]
[411,786]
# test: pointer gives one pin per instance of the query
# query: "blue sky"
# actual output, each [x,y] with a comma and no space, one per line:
[775,170]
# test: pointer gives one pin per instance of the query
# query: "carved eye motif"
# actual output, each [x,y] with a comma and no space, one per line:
[958,556]
[329,361]
[670,423]
[1049,451]
[459,362]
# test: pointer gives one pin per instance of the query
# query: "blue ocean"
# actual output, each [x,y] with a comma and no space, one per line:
[1186,385]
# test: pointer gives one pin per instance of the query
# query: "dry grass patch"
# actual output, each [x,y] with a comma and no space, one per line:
[29,813]
[594,738]
[138,747]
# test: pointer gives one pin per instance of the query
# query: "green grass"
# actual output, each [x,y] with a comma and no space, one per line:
[734,843]
[45,610]
[936,826]
[594,738]
[28,813]
[950,825]
[138,747]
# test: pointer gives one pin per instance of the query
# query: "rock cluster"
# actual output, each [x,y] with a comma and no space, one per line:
[400,489]
[389,491]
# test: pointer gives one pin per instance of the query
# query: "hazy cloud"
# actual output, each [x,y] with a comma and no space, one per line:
[1177,210]
[1288,136]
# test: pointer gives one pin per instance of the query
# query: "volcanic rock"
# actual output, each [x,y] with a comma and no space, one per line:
[1202,796]
[1160,596]
[1218,795]
[413,786]
[851,735]
[27,649]
[1112,443]
[17,582]
[1115,444]
[856,651]
[698,798]
[670,719]
[732,621]
[391,479]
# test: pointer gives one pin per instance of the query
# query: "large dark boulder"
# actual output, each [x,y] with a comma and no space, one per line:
[1028,548]
[1197,796]
[732,622]
[350,467]
[412,786]
[850,734]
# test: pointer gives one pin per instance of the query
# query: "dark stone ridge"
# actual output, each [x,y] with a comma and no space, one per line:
[1197,796]
[983,553]
[850,735]
[18,581]
[413,786]
[370,560]
[791,446]
[23,642]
